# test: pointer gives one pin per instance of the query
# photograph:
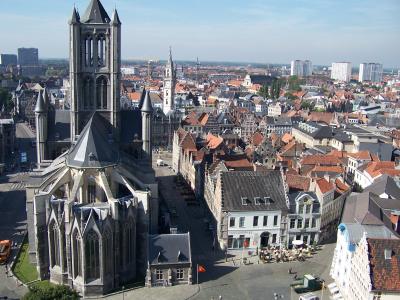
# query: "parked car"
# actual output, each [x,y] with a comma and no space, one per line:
[5,251]
[309,297]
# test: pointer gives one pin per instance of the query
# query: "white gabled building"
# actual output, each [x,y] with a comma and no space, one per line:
[249,208]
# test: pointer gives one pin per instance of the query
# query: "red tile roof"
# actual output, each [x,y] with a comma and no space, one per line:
[257,138]
[324,185]
[385,272]
[298,182]
[213,141]
[377,168]
[286,138]
[324,160]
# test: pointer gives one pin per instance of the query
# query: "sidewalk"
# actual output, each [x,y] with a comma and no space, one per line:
[179,292]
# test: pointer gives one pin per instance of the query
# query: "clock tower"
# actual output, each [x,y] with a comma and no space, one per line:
[169,85]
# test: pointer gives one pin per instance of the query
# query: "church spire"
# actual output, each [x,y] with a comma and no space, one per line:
[95,13]
[75,19]
[115,18]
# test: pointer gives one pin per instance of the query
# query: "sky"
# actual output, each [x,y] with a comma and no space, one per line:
[263,31]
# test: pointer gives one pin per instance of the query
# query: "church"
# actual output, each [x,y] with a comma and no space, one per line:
[91,208]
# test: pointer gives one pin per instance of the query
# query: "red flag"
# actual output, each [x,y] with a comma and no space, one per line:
[201,269]
[246,243]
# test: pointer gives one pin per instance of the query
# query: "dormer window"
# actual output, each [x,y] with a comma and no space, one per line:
[268,200]
[244,200]
[257,200]
[388,253]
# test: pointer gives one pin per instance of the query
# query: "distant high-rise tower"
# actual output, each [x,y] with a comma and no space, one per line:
[95,60]
[169,85]
[341,71]
[301,68]
[28,56]
[370,72]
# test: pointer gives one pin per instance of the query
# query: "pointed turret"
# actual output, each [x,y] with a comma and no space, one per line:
[170,62]
[95,13]
[147,111]
[115,18]
[45,97]
[40,104]
[75,19]
[142,96]
[147,107]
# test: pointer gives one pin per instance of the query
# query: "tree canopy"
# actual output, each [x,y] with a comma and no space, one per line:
[51,292]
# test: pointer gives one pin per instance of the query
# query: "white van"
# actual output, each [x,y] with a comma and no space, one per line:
[309,297]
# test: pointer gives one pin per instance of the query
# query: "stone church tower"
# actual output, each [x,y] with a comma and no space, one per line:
[91,208]
[95,59]
[169,85]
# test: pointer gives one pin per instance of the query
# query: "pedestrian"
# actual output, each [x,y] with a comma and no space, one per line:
[290,271]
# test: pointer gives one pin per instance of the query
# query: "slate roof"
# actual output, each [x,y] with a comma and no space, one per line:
[58,125]
[385,184]
[249,184]
[40,104]
[355,231]
[385,271]
[94,147]
[147,107]
[95,13]
[169,249]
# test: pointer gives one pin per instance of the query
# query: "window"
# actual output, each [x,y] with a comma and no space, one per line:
[275,220]
[306,223]
[257,200]
[265,221]
[241,240]
[241,222]
[299,223]
[255,221]
[292,223]
[92,256]
[76,242]
[179,274]
[301,208]
[159,275]
[102,92]
[232,222]
[274,238]
[130,241]
[313,223]
[54,245]
[244,200]
[230,241]
[308,209]
[108,255]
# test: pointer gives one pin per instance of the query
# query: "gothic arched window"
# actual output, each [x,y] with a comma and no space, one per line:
[102,93]
[77,255]
[130,241]
[89,51]
[88,93]
[101,51]
[91,190]
[108,253]
[54,244]
[92,256]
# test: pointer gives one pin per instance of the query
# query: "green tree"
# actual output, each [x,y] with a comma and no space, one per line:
[6,100]
[263,92]
[51,292]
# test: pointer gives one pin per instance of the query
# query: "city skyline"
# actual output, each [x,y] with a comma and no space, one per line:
[321,31]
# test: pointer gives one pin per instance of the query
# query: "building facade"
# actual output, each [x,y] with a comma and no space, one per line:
[371,72]
[341,71]
[28,56]
[301,68]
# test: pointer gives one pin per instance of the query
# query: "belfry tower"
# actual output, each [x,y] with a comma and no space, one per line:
[95,59]
[169,85]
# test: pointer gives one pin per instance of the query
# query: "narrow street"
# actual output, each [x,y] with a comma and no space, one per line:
[13,208]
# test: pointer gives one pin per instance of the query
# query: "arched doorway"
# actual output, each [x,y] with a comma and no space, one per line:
[264,239]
